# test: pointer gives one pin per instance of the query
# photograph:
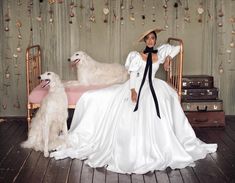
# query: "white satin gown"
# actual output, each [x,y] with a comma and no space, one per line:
[105,132]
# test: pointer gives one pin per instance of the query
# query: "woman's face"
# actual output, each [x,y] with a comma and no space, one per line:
[150,40]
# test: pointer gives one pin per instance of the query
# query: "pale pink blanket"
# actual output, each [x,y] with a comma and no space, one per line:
[73,93]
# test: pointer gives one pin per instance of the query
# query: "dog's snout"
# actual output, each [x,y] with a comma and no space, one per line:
[39,77]
[69,59]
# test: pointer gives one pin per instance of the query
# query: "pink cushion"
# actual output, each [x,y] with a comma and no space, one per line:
[73,93]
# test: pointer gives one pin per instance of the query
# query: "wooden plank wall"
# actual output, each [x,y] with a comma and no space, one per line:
[206,43]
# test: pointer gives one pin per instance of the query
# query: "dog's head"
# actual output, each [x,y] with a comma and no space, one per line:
[49,79]
[78,57]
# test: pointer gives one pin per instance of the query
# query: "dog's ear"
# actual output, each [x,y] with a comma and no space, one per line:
[85,58]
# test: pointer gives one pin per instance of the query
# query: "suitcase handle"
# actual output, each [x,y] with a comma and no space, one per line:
[201,120]
[202,110]
[194,85]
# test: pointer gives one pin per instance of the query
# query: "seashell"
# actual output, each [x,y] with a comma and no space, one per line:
[106,11]
[51,20]
[228,51]
[19,36]
[200,10]
[18,23]
[71,14]
[92,18]
[232,19]
[6,29]
[132,18]
[165,6]
[221,69]
[232,44]
[186,19]
[39,18]
[15,55]
[18,49]
[220,24]
[7,75]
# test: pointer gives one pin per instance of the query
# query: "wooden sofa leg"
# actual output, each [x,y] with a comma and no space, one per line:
[29,115]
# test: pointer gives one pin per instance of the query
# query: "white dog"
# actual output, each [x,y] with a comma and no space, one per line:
[91,72]
[49,126]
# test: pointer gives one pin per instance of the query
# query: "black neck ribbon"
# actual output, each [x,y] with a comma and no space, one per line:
[148,66]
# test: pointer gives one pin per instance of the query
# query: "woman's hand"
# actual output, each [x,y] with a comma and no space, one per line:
[167,63]
[133,95]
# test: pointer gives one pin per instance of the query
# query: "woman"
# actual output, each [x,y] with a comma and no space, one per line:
[138,126]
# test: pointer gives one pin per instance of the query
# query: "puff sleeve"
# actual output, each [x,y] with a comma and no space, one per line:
[133,65]
[167,50]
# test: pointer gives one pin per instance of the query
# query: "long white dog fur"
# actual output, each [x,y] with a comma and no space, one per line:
[92,72]
[49,126]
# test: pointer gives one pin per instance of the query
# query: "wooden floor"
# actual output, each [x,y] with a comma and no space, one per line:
[22,165]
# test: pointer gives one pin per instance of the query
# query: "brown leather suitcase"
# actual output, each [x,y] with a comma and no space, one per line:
[200,94]
[202,105]
[206,119]
[197,81]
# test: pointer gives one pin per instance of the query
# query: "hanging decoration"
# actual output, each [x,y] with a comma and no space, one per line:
[17,103]
[143,16]
[7,20]
[186,12]
[19,3]
[51,1]
[30,7]
[51,13]
[200,11]
[221,53]
[153,14]
[165,6]
[5,97]
[19,36]
[229,56]
[72,5]
[220,14]
[39,17]
[81,5]
[232,43]
[106,11]
[131,11]
[7,73]
[7,57]
[122,7]
[92,9]
[114,16]
[176,6]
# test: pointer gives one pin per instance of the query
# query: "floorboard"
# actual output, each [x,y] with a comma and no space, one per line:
[26,165]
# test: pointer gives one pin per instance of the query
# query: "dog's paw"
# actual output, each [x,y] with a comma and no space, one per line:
[46,154]
[57,155]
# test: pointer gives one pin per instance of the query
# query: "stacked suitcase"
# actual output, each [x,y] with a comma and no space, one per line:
[200,101]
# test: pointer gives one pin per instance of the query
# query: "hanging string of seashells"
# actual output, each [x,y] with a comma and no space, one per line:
[165,6]
[72,5]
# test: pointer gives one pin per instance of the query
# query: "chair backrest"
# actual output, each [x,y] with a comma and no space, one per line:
[174,74]
[33,67]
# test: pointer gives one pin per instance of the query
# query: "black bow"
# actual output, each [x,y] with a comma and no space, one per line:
[148,66]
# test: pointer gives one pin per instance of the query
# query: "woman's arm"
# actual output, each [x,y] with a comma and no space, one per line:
[132,86]
[173,52]
[166,64]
